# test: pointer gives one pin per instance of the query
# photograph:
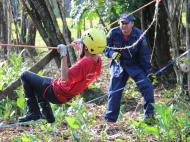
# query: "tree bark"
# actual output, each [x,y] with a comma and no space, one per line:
[5,35]
[1,21]
[173,8]
[31,37]
[9,32]
[187,40]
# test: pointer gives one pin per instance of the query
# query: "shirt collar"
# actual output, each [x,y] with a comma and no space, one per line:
[133,33]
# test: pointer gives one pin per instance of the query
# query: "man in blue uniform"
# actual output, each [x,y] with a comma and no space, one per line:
[133,62]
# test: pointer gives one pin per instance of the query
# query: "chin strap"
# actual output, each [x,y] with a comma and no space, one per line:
[83,49]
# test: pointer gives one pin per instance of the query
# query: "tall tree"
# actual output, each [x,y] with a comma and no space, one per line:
[173,8]
[187,8]
[1,21]
[158,37]
[4,27]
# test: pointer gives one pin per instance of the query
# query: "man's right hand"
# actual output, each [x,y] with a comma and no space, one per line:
[116,56]
[62,50]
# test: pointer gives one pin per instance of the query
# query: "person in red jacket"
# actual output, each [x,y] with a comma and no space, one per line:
[42,90]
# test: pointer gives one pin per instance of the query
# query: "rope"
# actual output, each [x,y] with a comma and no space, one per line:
[100,96]
[135,43]
[35,46]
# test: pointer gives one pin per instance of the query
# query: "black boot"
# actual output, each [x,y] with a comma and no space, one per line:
[30,116]
[46,109]
[33,112]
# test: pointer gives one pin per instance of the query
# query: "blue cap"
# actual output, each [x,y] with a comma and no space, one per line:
[127,19]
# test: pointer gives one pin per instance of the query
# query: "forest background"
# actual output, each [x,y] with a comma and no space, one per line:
[44,23]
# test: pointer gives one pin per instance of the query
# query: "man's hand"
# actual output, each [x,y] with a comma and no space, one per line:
[116,56]
[151,77]
[62,50]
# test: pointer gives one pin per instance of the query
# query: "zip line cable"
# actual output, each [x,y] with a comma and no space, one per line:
[100,96]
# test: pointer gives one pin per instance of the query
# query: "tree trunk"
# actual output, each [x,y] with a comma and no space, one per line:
[161,54]
[90,20]
[1,21]
[187,40]
[173,9]
[31,37]
[142,19]
[9,27]
[84,24]
[5,36]
[23,26]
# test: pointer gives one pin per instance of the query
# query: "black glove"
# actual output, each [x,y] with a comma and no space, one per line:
[151,77]
[116,56]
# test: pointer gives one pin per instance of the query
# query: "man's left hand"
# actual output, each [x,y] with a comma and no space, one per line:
[151,77]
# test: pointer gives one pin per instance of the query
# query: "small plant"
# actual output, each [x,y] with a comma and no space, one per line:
[11,72]
[21,101]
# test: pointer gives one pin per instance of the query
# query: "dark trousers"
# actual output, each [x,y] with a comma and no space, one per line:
[34,87]
[114,99]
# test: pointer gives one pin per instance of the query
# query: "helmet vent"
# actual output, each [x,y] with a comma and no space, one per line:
[90,36]
[92,50]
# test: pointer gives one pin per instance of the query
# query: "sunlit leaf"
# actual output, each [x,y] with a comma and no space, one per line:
[119,140]
[152,130]
[6,115]
[72,122]
[20,103]
[135,122]
[102,135]
[71,104]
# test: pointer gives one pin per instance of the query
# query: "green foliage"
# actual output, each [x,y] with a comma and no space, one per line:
[11,71]
[109,10]
[21,101]
[28,138]
[85,9]
[80,121]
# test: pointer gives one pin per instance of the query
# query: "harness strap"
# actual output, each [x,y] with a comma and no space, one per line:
[46,91]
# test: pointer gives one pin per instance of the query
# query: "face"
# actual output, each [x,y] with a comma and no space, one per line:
[81,46]
[126,28]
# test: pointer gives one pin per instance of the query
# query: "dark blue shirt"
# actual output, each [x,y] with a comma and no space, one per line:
[134,59]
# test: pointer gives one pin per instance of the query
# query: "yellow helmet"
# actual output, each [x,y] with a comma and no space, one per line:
[95,40]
